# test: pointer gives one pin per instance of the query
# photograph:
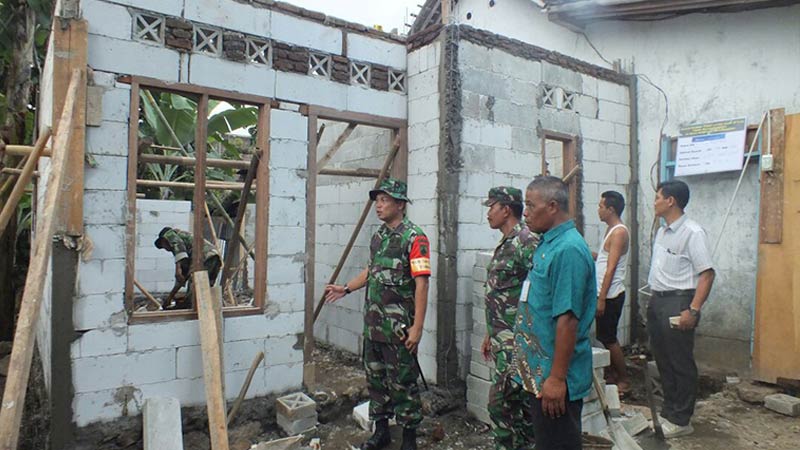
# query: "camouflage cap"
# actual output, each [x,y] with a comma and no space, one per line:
[506,195]
[393,188]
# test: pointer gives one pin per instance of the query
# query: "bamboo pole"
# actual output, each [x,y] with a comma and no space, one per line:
[25,150]
[384,170]
[360,172]
[11,171]
[146,293]
[245,387]
[10,180]
[336,146]
[215,185]
[10,208]
[248,184]
[24,337]
[188,161]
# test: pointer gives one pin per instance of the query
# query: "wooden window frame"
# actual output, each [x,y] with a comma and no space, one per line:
[571,167]
[261,188]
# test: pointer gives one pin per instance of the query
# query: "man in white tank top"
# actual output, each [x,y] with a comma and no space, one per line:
[611,262]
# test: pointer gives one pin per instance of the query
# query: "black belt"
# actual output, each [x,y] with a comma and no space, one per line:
[676,293]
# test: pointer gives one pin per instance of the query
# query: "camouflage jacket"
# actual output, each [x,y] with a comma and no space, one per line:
[390,284]
[507,271]
[181,243]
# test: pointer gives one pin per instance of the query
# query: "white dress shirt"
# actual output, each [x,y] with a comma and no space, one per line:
[680,255]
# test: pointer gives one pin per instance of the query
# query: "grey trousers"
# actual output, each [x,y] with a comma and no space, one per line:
[673,350]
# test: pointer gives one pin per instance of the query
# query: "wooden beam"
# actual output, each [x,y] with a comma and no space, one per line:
[400,165]
[245,387]
[309,368]
[199,200]
[336,146]
[360,172]
[24,337]
[130,219]
[212,361]
[248,183]
[210,185]
[70,43]
[262,209]
[10,207]
[320,132]
[24,150]
[384,171]
[147,294]
[770,227]
[189,161]
[352,117]
[446,10]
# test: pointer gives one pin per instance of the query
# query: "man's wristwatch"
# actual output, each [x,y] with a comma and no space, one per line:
[694,312]
[347,289]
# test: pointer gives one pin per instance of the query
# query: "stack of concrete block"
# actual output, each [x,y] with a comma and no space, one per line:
[297,413]
[480,370]
[593,419]
[784,404]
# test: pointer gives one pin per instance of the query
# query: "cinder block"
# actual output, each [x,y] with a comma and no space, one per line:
[370,101]
[286,241]
[593,423]
[289,212]
[116,105]
[287,153]
[171,7]
[784,404]
[284,377]
[478,390]
[480,371]
[90,407]
[285,269]
[586,106]
[107,19]
[162,424]
[558,76]
[305,89]
[111,139]
[597,129]
[306,33]
[134,58]
[612,400]
[108,241]
[288,125]
[230,15]
[614,112]
[613,92]
[107,341]
[424,109]
[296,406]
[293,428]
[143,337]
[480,412]
[98,311]
[622,134]
[364,48]
[487,133]
[600,358]
[107,372]
[422,84]
[232,76]
[255,327]
[101,276]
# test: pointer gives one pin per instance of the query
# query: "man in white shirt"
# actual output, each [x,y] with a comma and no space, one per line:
[681,276]
[611,264]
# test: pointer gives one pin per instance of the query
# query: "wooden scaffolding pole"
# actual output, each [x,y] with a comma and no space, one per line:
[384,171]
[10,208]
[336,146]
[248,183]
[22,351]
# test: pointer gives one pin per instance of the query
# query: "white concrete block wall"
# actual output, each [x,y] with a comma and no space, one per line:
[340,201]
[423,166]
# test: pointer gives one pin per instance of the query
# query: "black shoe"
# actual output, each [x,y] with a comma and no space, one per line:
[380,438]
[409,439]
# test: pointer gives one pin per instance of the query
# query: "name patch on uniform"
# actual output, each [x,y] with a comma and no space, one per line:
[523,295]
[421,265]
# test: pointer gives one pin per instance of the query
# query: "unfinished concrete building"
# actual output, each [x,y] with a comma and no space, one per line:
[479,94]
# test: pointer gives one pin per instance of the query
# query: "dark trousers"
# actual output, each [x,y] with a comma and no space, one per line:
[561,433]
[673,350]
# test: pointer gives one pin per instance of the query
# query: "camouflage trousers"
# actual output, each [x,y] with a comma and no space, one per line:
[392,383]
[509,407]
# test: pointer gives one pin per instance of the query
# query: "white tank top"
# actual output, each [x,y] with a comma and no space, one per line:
[618,281]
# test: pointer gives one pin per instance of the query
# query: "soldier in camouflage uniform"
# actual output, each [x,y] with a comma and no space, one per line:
[505,275]
[394,313]
[179,243]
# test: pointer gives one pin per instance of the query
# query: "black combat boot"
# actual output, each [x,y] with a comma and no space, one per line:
[409,439]
[380,438]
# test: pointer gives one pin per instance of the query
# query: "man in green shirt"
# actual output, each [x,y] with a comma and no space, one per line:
[552,350]
[179,243]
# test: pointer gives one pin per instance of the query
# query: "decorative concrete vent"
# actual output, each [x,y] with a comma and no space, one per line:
[148,28]
[207,40]
[568,101]
[397,81]
[549,97]
[360,74]
[259,51]
[319,64]
[296,413]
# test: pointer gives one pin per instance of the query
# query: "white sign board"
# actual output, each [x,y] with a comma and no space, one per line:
[711,147]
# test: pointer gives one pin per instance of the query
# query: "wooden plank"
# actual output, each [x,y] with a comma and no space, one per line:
[212,361]
[309,372]
[189,161]
[336,146]
[446,10]
[187,314]
[147,294]
[400,166]
[10,207]
[770,227]
[70,43]
[384,171]
[262,210]
[22,351]
[248,183]
[372,120]
[184,88]
[361,172]
[130,220]
[776,338]
[199,201]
